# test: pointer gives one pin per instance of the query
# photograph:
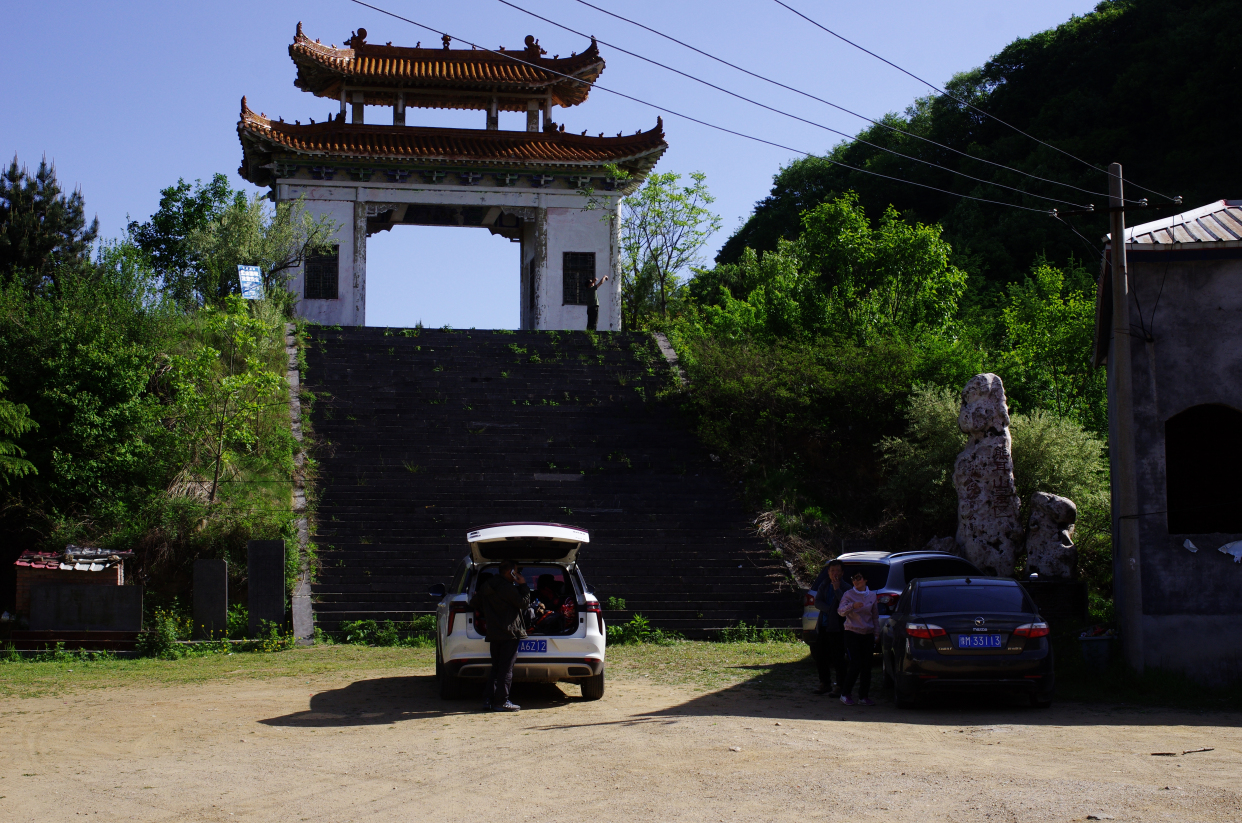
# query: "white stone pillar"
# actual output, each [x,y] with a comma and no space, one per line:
[540,281]
[398,110]
[613,302]
[493,115]
[532,115]
[344,99]
[357,115]
[360,263]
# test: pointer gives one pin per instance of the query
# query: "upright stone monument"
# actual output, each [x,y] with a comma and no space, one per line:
[1050,550]
[211,599]
[266,583]
[988,533]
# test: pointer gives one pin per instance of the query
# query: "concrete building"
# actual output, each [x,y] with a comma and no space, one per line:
[556,194]
[1185,280]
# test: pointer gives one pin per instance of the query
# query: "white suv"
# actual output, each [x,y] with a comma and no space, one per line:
[573,651]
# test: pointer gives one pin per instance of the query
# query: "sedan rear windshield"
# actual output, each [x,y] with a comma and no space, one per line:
[876,573]
[972,598]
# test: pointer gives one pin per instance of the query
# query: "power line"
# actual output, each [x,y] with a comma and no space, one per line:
[785,113]
[829,103]
[960,101]
[687,117]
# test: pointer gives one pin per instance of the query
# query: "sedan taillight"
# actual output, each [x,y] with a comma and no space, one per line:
[1031,630]
[808,600]
[456,608]
[924,631]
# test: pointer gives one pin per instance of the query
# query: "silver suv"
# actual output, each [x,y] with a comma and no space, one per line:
[888,574]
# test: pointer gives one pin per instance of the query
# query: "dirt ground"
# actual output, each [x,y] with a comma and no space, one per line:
[380,745]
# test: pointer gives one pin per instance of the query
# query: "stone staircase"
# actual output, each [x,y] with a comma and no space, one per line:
[425,434]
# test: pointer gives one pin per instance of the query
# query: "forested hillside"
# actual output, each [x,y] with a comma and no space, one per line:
[1138,82]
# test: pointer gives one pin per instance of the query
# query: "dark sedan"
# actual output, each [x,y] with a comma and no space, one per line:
[967,632]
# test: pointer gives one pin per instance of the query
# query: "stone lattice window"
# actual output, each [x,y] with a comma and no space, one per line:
[578,270]
[322,272]
[1203,470]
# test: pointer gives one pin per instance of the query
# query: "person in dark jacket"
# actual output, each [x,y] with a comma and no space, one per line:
[503,599]
[830,632]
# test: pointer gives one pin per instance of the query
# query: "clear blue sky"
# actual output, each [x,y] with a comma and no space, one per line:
[126,97]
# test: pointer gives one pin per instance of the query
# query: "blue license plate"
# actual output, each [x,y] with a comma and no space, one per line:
[533,647]
[980,641]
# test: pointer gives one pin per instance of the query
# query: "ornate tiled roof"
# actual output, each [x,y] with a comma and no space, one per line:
[444,77]
[264,141]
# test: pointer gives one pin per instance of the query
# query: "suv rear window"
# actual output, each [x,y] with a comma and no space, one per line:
[972,598]
[876,573]
[938,567]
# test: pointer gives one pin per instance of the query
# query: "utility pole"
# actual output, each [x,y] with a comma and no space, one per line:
[1125,483]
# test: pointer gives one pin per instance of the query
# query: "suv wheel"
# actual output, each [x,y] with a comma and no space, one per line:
[450,686]
[593,687]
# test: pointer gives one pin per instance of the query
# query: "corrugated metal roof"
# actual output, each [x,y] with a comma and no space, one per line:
[1219,224]
[73,559]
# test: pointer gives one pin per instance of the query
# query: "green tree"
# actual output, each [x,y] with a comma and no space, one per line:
[1049,324]
[14,422]
[184,210]
[895,277]
[42,230]
[223,387]
[251,232]
[664,227]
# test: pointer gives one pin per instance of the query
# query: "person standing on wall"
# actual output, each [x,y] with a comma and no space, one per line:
[503,599]
[593,303]
[862,628]
[830,633]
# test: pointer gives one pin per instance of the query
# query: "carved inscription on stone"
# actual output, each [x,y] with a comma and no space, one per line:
[988,533]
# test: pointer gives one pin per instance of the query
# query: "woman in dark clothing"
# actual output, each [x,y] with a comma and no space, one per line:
[830,632]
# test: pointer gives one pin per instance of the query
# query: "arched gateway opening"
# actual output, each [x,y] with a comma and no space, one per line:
[554,194]
[442,276]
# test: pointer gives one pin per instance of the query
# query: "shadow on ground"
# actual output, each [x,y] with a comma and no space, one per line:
[386,700]
[783,691]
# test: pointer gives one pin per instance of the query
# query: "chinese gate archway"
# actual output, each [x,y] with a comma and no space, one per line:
[555,193]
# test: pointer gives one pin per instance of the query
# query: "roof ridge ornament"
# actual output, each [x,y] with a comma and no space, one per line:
[445,39]
[357,39]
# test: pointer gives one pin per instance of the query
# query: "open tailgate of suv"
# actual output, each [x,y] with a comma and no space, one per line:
[527,542]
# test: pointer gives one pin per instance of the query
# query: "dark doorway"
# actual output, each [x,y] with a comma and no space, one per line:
[1203,470]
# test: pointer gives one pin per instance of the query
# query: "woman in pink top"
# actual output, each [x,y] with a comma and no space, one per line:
[862,628]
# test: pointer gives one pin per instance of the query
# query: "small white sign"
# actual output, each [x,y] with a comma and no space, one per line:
[251,278]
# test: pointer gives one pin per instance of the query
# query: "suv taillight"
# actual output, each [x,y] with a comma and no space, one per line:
[808,600]
[924,631]
[1031,630]
[593,607]
[455,608]
[886,601]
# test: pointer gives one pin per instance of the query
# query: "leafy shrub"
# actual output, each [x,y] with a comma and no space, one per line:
[640,630]
[418,632]
[159,637]
[615,604]
[743,633]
